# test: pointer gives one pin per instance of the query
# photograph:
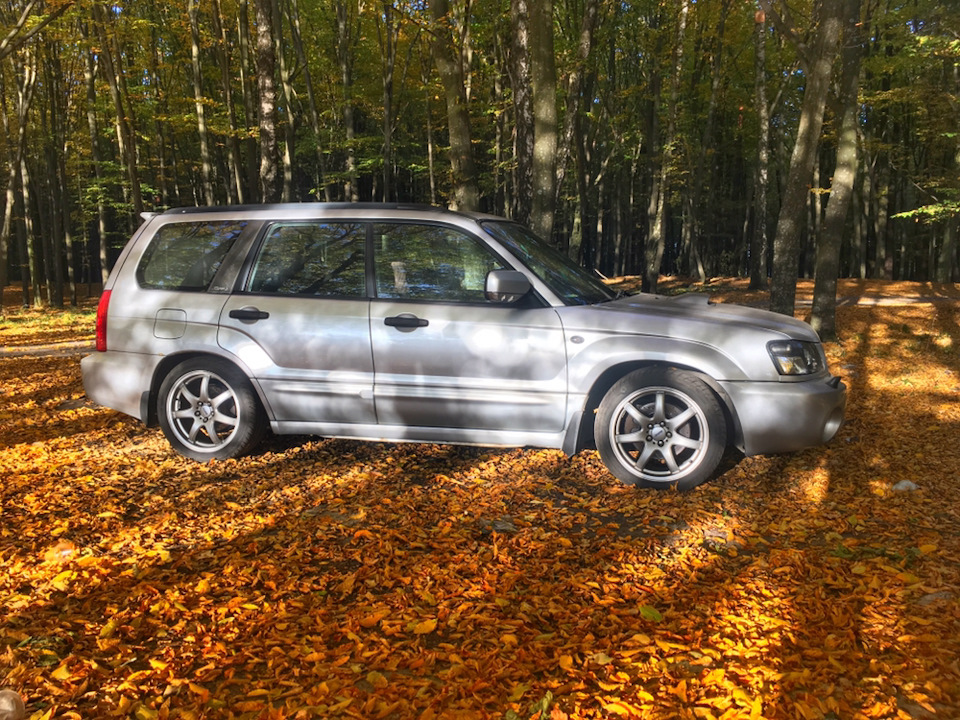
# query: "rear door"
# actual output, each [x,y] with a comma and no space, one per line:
[301,322]
[444,355]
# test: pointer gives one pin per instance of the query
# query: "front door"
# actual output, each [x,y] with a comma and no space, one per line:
[444,356]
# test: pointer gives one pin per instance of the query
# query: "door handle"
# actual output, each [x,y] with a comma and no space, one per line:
[406,321]
[249,314]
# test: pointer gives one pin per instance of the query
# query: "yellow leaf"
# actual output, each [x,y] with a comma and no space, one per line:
[621,708]
[157,664]
[714,677]
[518,692]
[377,679]
[110,628]
[425,627]
[509,639]
[566,662]
[928,548]
[62,581]
[62,672]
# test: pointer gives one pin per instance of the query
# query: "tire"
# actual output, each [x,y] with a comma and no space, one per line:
[209,411]
[661,428]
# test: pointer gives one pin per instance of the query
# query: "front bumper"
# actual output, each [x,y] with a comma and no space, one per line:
[788,416]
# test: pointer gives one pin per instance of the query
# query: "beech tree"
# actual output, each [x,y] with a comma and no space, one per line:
[660,137]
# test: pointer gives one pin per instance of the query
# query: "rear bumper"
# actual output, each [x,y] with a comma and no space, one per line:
[118,380]
[783,417]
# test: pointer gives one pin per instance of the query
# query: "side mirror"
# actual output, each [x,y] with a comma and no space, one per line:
[506,286]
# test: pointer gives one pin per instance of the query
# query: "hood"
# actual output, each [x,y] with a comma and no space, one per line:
[698,308]
[692,316]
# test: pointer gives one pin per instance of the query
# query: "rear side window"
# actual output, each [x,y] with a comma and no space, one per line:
[186,256]
[311,258]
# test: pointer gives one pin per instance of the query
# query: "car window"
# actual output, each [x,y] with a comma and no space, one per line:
[186,256]
[571,283]
[430,262]
[311,258]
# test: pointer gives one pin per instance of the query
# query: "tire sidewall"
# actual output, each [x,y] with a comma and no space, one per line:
[251,422]
[681,381]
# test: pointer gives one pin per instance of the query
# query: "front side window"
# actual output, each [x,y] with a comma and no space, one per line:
[311,258]
[186,256]
[570,282]
[427,262]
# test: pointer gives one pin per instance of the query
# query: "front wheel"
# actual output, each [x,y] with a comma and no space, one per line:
[209,411]
[661,427]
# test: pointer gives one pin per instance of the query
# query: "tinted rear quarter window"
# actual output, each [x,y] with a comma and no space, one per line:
[186,256]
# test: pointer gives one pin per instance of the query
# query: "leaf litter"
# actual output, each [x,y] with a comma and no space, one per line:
[329,578]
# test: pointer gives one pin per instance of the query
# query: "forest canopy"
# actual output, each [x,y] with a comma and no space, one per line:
[643,137]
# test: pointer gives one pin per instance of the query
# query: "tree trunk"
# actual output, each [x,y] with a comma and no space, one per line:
[657,241]
[321,189]
[388,28]
[759,248]
[574,87]
[89,76]
[233,144]
[523,120]
[824,316]
[544,76]
[786,243]
[695,206]
[286,87]
[448,58]
[248,82]
[206,167]
[345,45]
[266,84]
[125,137]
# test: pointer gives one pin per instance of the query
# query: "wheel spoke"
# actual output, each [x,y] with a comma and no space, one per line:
[222,398]
[187,396]
[633,437]
[194,430]
[221,418]
[683,418]
[684,441]
[211,427]
[205,387]
[644,457]
[635,414]
[671,461]
[659,412]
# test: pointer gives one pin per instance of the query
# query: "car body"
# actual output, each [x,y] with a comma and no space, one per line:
[411,323]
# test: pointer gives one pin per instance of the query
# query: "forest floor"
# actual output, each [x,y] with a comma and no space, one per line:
[329,578]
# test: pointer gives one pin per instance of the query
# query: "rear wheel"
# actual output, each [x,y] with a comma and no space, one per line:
[209,411]
[661,427]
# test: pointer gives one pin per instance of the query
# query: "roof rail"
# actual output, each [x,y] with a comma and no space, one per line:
[307,205]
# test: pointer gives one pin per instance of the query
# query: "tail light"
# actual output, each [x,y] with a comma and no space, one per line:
[102,321]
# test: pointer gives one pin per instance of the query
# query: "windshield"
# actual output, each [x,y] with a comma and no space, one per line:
[570,282]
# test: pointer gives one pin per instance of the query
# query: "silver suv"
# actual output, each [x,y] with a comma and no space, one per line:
[416,324]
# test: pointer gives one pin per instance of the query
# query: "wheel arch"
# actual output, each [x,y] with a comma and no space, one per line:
[148,400]
[609,377]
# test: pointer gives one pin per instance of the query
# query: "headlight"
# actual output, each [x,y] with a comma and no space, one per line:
[794,357]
